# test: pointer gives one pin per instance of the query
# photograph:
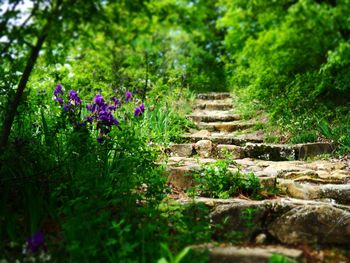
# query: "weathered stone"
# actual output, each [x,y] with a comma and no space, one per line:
[274,152]
[213,116]
[317,224]
[234,151]
[261,254]
[214,104]
[218,138]
[183,161]
[180,176]
[213,95]
[181,166]
[296,190]
[233,220]
[202,133]
[297,174]
[182,150]
[339,193]
[225,126]
[313,149]
[204,148]
[256,137]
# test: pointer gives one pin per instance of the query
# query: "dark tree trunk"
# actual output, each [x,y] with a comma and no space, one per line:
[13,105]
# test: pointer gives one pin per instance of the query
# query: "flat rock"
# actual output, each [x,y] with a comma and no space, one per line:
[339,193]
[225,126]
[307,150]
[179,176]
[215,137]
[213,116]
[201,133]
[291,221]
[297,190]
[233,151]
[213,95]
[256,137]
[223,105]
[273,152]
[294,169]
[182,150]
[241,254]
[204,148]
[178,167]
[316,224]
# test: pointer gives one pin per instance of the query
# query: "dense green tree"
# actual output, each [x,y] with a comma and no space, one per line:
[48,27]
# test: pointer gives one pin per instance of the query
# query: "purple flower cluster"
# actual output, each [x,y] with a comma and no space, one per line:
[102,113]
[138,111]
[73,98]
[35,243]
[58,93]
[128,96]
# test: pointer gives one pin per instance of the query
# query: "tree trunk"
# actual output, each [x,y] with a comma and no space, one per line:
[12,109]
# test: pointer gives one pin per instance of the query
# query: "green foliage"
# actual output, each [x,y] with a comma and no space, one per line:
[291,56]
[276,258]
[173,259]
[165,121]
[217,180]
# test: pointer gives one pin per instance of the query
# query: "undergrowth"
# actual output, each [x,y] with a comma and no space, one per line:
[217,180]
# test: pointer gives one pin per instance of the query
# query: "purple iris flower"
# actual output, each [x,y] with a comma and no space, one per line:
[66,107]
[60,101]
[89,119]
[112,108]
[116,101]
[35,242]
[58,90]
[89,107]
[142,107]
[128,96]
[137,112]
[103,116]
[73,96]
[99,100]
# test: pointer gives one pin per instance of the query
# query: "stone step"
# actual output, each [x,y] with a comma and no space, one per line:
[179,172]
[277,152]
[337,193]
[213,116]
[218,138]
[227,253]
[218,105]
[286,220]
[225,126]
[272,152]
[303,180]
[213,95]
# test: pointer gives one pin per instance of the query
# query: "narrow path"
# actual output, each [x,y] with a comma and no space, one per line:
[314,196]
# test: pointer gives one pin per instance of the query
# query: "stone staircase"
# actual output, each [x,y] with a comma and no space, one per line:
[313,204]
